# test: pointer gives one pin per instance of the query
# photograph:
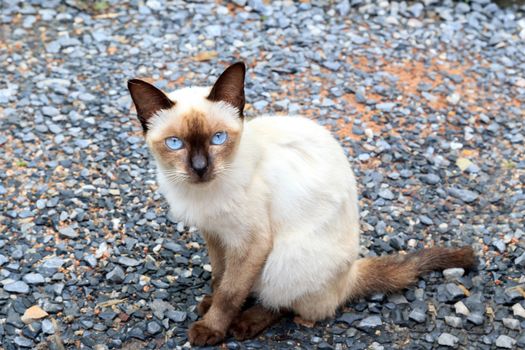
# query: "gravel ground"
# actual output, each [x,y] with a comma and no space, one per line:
[427,99]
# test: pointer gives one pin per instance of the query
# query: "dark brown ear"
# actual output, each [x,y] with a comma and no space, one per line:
[148,100]
[230,87]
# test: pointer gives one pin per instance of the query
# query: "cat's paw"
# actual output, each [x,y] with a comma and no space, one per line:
[247,326]
[243,330]
[201,334]
[204,305]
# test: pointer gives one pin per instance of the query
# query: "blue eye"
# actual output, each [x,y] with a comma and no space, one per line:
[219,138]
[173,143]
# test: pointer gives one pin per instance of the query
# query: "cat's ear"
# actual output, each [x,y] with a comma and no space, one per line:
[230,87]
[148,100]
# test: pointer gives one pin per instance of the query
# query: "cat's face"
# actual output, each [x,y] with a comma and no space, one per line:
[193,132]
[195,144]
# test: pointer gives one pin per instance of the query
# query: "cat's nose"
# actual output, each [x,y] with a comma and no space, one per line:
[199,163]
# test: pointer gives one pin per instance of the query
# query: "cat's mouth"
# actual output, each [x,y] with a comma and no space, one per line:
[197,177]
[188,176]
[207,177]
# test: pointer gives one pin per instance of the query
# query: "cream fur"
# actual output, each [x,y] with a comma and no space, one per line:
[289,181]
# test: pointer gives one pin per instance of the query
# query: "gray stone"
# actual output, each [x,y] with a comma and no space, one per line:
[176,316]
[416,9]
[370,322]
[58,288]
[462,7]
[505,342]
[466,196]
[454,293]
[260,105]
[100,35]
[518,310]
[425,220]
[55,129]
[68,232]
[214,30]
[350,317]
[91,260]
[511,323]
[332,65]
[50,111]
[476,318]
[418,315]
[453,274]
[86,97]
[82,143]
[386,194]
[129,262]
[153,327]
[430,179]
[134,139]
[47,327]
[397,299]
[499,245]
[160,307]
[454,321]
[116,275]
[17,287]
[34,278]
[24,342]
[385,107]
[53,47]
[155,5]
[53,263]
[343,7]
[447,339]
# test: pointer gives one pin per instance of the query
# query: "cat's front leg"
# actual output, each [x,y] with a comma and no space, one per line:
[217,261]
[242,268]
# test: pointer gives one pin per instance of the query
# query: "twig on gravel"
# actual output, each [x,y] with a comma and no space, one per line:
[110,302]
[56,337]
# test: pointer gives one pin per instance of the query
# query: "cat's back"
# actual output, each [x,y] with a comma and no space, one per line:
[296,136]
[302,162]
[284,128]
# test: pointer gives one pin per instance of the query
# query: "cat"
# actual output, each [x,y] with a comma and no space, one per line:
[276,201]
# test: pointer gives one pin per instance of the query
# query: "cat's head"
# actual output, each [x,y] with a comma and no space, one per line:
[192,132]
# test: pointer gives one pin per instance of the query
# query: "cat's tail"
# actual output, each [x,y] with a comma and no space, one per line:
[391,273]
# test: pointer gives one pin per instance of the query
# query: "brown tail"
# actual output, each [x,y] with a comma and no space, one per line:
[390,273]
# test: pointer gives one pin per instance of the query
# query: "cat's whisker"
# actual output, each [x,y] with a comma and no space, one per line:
[175,176]
[223,170]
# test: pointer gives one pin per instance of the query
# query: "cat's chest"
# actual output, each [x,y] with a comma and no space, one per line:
[200,212]
[219,212]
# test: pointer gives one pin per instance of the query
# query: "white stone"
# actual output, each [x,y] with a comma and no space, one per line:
[518,310]
[461,308]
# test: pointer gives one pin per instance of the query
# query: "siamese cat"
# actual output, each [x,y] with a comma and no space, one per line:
[276,201]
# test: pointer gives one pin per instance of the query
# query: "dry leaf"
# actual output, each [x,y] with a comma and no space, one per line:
[520,83]
[33,313]
[468,153]
[205,56]
[106,15]
[303,322]
[112,50]
[111,302]
[464,290]
[463,163]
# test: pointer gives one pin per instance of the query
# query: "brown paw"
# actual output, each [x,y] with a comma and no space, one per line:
[204,305]
[252,322]
[200,334]
[243,330]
